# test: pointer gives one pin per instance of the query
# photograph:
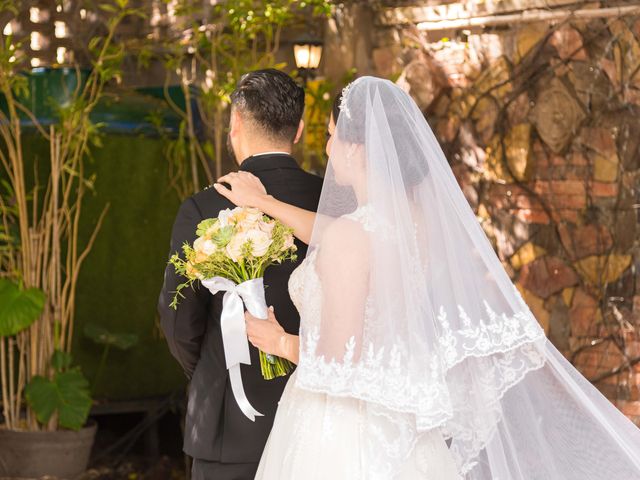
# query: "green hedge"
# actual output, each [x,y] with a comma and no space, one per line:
[121,278]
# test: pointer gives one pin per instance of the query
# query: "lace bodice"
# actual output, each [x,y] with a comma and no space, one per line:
[303,273]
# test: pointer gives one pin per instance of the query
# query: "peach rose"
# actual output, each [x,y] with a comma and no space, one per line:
[200,257]
[266,227]
[288,242]
[192,272]
[248,219]
[253,215]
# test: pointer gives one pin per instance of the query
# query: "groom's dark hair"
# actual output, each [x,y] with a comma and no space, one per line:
[273,100]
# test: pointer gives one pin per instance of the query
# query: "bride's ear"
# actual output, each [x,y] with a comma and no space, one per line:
[299,132]
[355,151]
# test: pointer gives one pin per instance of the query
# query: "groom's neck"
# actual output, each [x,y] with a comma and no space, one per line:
[257,149]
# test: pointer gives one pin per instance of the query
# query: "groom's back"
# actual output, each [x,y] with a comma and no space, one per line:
[215,428]
[266,112]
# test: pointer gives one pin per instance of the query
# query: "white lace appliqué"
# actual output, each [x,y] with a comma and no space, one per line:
[500,333]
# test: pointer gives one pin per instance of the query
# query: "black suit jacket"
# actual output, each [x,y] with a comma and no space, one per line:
[215,428]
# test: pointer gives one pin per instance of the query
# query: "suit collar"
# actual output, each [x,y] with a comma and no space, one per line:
[270,161]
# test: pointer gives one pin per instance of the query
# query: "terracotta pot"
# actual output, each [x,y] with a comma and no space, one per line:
[63,454]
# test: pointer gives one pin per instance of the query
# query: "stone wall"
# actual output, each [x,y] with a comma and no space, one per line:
[541,124]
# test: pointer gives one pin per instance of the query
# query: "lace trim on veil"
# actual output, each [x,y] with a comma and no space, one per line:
[503,349]
[383,379]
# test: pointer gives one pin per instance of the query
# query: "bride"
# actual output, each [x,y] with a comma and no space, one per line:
[417,358]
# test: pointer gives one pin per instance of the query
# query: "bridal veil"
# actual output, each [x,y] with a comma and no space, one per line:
[421,323]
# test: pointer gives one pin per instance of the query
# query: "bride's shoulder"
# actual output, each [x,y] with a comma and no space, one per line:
[345,229]
[344,242]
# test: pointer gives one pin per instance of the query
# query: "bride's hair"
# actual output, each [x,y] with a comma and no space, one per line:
[398,108]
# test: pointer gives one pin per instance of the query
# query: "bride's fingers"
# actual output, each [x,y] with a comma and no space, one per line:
[224,191]
[271,315]
[234,177]
[254,342]
[253,327]
[224,179]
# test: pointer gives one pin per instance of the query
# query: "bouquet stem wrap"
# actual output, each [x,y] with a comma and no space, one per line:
[234,331]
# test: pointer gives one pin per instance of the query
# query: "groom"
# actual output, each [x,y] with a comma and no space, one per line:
[266,121]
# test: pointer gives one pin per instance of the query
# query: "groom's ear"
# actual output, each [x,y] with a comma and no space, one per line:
[234,122]
[299,132]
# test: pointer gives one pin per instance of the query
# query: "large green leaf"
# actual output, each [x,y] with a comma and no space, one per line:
[18,308]
[102,336]
[60,360]
[67,394]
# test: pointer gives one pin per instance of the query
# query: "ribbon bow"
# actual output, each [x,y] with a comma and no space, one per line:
[234,330]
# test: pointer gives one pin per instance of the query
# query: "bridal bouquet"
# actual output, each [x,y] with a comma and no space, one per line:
[231,254]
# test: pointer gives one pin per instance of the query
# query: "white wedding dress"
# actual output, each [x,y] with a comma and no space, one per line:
[317,436]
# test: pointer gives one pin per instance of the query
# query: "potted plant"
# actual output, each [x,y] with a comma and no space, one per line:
[45,400]
[65,396]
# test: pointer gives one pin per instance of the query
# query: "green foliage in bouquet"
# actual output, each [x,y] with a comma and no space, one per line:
[239,245]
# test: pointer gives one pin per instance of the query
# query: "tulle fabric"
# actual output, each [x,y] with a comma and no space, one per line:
[410,312]
[318,437]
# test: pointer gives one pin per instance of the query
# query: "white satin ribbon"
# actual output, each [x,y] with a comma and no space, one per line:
[234,331]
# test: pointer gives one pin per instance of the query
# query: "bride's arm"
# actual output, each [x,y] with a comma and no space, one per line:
[269,337]
[247,191]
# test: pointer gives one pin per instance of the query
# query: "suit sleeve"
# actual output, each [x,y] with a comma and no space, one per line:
[184,328]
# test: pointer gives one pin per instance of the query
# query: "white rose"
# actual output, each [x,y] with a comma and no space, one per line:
[224,216]
[260,242]
[198,244]
[234,247]
[209,247]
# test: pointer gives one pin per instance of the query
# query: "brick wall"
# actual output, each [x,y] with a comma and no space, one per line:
[541,125]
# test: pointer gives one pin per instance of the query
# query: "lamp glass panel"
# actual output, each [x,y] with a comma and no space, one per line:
[315,55]
[303,55]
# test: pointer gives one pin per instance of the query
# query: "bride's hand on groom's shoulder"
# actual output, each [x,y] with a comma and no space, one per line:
[246,189]
[266,335]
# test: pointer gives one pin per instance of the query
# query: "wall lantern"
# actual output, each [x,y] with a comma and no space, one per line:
[307,52]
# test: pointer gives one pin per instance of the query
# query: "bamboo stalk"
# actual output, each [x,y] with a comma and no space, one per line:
[22,373]
[54,270]
[16,411]
[7,401]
